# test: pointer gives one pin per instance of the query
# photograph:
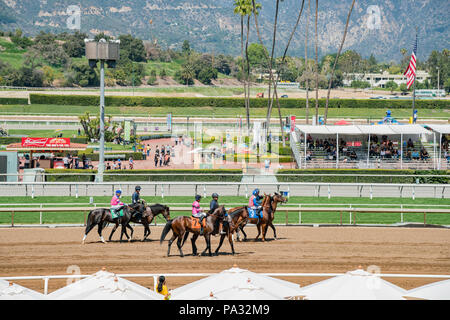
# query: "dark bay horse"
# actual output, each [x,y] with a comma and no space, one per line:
[269,205]
[147,217]
[181,226]
[236,217]
[103,216]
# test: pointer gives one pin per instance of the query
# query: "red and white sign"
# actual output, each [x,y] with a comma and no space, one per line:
[354,144]
[292,123]
[46,142]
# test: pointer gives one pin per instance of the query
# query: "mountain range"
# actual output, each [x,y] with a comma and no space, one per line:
[381,28]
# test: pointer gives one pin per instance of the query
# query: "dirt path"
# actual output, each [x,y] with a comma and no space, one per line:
[39,251]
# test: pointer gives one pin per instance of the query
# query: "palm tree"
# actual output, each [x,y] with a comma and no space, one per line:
[306,61]
[336,61]
[317,64]
[241,8]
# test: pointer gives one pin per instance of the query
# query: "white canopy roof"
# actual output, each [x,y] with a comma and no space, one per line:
[364,129]
[440,128]
[376,129]
[10,291]
[230,281]
[354,285]
[433,291]
[244,291]
[104,285]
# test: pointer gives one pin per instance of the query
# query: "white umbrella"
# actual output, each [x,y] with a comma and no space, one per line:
[354,285]
[104,285]
[234,277]
[433,291]
[12,291]
[245,291]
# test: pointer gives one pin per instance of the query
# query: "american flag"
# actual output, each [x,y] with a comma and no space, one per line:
[410,72]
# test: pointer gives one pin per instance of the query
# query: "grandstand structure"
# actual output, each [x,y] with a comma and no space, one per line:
[386,146]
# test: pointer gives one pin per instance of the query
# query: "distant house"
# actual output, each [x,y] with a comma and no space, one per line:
[380,79]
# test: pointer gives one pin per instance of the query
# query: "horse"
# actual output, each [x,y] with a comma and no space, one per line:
[103,216]
[181,226]
[236,216]
[147,217]
[269,205]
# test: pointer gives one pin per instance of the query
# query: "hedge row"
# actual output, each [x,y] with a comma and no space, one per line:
[133,175]
[353,176]
[80,100]
[5,101]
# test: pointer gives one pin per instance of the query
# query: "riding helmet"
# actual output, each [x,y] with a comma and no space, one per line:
[118,192]
[198,197]
[255,192]
[215,195]
[137,188]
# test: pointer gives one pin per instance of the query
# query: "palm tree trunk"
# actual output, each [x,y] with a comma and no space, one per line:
[336,61]
[248,77]
[317,64]
[306,62]
[242,69]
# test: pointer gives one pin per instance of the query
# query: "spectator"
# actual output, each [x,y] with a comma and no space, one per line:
[424,154]
[131,162]
[108,166]
[148,151]
[114,166]
[66,162]
[156,159]
[162,288]
[161,158]
[410,144]
[119,164]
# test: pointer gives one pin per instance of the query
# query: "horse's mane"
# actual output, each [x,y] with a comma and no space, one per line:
[237,211]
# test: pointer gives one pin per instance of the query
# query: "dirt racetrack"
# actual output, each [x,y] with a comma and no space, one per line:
[49,251]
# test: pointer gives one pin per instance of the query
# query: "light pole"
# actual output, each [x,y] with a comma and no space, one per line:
[103,51]
[438,83]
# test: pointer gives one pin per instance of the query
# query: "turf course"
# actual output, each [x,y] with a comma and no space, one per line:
[230,201]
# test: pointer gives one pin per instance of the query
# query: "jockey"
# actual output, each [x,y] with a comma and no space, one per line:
[115,202]
[197,212]
[135,198]
[213,205]
[255,201]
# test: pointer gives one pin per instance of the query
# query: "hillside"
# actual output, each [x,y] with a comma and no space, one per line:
[212,25]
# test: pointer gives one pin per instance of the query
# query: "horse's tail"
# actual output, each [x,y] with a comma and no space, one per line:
[90,220]
[165,231]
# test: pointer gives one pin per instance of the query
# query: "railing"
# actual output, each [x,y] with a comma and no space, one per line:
[299,210]
[178,188]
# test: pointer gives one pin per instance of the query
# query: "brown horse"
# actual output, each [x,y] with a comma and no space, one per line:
[269,205]
[181,226]
[235,217]
[147,217]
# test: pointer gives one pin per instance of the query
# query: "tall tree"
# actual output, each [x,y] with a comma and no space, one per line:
[317,63]
[336,61]
[306,61]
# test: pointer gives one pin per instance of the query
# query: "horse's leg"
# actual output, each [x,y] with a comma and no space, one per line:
[132,231]
[170,243]
[208,244]
[222,236]
[194,247]
[88,229]
[258,226]
[274,231]
[100,228]
[180,239]
[116,225]
[243,232]
[230,239]
[146,230]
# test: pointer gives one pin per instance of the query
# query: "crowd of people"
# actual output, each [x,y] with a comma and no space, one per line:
[379,149]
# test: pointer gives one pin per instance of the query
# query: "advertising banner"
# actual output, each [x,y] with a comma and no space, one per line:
[46,142]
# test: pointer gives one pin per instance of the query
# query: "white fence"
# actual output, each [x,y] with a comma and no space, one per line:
[164,188]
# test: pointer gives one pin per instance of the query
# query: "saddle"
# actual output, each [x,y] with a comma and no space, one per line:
[253,213]
[117,213]
[195,223]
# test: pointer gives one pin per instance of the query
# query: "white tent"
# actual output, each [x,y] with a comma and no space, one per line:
[104,286]
[354,285]
[433,291]
[234,277]
[244,291]
[12,291]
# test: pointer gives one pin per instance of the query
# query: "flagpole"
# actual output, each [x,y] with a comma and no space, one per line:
[414,83]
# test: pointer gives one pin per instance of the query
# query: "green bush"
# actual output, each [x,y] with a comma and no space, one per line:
[162,175]
[390,176]
[5,101]
[79,100]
